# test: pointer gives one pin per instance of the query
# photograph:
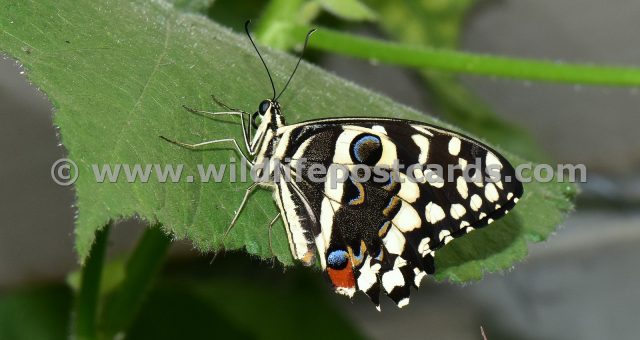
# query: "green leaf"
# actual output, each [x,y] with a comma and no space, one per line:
[118,73]
[353,10]
[196,6]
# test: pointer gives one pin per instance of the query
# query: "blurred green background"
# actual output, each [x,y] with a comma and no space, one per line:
[580,284]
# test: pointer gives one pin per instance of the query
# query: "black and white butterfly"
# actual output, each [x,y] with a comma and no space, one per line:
[373,236]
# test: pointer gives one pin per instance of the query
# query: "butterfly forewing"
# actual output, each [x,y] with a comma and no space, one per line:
[374,235]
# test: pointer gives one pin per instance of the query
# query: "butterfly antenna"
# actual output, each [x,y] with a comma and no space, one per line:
[246,28]
[306,41]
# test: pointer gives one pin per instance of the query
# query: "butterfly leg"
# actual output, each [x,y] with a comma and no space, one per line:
[231,112]
[246,130]
[225,106]
[247,193]
[270,229]
[202,146]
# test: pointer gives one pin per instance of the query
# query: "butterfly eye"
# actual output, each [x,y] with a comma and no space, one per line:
[254,119]
[264,107]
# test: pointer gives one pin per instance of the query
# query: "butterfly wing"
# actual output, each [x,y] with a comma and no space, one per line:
[378,234]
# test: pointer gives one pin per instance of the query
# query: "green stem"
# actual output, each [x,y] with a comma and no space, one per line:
[460,62]
[86,303]
[143,265]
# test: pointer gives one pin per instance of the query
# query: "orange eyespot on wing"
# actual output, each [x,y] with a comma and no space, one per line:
[342,278]
[340,271]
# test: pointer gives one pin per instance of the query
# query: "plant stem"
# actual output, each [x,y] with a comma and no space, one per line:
[460,62]
[143,265]
[86,303]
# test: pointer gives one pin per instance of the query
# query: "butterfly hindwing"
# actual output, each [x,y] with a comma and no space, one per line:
[382,235]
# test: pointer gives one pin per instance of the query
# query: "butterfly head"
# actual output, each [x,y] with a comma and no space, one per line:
[267,117]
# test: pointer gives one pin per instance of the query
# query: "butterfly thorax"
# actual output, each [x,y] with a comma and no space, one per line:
[266,137]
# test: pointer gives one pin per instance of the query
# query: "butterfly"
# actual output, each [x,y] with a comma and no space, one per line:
[375,236]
